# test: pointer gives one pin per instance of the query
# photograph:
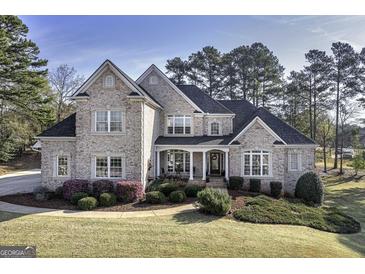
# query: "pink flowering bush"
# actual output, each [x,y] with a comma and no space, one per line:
[102,186]
[70,187]
[129,191]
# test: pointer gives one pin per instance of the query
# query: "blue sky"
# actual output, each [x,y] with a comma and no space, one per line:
[135,42]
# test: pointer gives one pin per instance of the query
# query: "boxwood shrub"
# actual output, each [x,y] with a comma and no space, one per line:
[107,199]
[235,182]
[155,197]
[153,186]
[255,185]
[214,201]
[177,196]
[167,188]
[129,191]
[191,190]
[275,189]
[310,188]
[78,196]
[87,203]
[75,185]
[101,186]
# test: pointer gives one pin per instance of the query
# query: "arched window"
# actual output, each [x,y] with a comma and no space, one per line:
[109,81]
[214,128]
[153,80]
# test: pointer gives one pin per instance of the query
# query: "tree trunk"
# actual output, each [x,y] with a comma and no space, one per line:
[341,170]
[314,110]
[310,109]
[324,157]
[337,114]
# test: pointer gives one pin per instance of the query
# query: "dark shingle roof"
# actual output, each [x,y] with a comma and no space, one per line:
[195,140]
[65,128]
[202,100]
[82,94]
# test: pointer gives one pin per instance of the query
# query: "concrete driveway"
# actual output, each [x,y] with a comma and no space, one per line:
[20,182]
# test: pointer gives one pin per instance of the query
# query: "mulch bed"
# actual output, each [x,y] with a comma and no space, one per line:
[57,203]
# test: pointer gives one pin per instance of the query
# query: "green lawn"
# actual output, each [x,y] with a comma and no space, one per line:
[188,235]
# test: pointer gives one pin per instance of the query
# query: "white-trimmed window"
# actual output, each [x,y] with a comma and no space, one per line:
[294,161]
[109,121]
[63,166]
[214,128]
[256,163]
[179,124]
[109,166]
[109,81]
[178,161]
[153,80]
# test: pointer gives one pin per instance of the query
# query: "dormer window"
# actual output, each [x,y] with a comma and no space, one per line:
[109,81]
[214,128]
[153,80]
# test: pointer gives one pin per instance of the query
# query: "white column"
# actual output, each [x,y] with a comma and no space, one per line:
[204,166]
[191,166]
[226,165]
[158,163]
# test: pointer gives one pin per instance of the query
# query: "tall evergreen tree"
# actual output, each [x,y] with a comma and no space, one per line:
[177,68]
[242,61]
[229,78]
[345,79]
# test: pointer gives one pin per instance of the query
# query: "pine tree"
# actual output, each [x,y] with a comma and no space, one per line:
[177,68]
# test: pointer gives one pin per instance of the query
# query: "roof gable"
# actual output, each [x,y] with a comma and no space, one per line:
[65,128]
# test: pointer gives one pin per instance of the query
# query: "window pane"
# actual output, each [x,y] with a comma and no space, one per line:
[255,164]
[170,124]
[214,130]
[62,166]
[115,121]
[247,165]
[187,162]
[109,81]
[179,161]
[179,124]
[101,167]
[294,161]
[101,121]
[115,167]
[170,162]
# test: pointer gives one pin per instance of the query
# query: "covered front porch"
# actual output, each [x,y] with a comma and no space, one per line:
[196,163]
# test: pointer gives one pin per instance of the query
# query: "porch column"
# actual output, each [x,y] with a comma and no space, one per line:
[158,163]
[204,166]
[191,166]
[226,173]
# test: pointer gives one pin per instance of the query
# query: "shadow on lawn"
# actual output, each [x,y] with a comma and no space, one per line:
[7,216]
[193,218]
[352,202]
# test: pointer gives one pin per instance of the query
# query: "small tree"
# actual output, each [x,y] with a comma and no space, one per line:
[358,162]
[325,135]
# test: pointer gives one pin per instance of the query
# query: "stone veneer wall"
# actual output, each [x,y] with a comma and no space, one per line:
[50,150]
[258,138]
[225,122]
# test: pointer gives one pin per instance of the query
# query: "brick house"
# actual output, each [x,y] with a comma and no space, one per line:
[139,130]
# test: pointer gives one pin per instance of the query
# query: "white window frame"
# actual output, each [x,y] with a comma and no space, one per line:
[299,159]
[153,80]
[109,120]
[261,153]
[174,126]
[186,156]
[210,128]
[109,166]
[107,77]
[68,165]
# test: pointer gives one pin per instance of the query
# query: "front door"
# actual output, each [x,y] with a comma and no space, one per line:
[215,163]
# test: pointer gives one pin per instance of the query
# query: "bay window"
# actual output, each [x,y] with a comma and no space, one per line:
[178,161]
[256,163]
[179,124]
[109,121]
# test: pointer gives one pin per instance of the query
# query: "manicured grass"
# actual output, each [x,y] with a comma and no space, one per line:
[189,234]
[265,210]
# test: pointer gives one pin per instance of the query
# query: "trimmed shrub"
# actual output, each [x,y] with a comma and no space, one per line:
[87,203]
[153,186]
[102,186]
[59,192]
[107,199]
[167,188]
[129,191]
[235,182]
[78,196]
[214,201]
[41,193]
[192,190]
[177,196]
[75,185]
[275,189]
[310,188]
[255,185]
[155,197]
